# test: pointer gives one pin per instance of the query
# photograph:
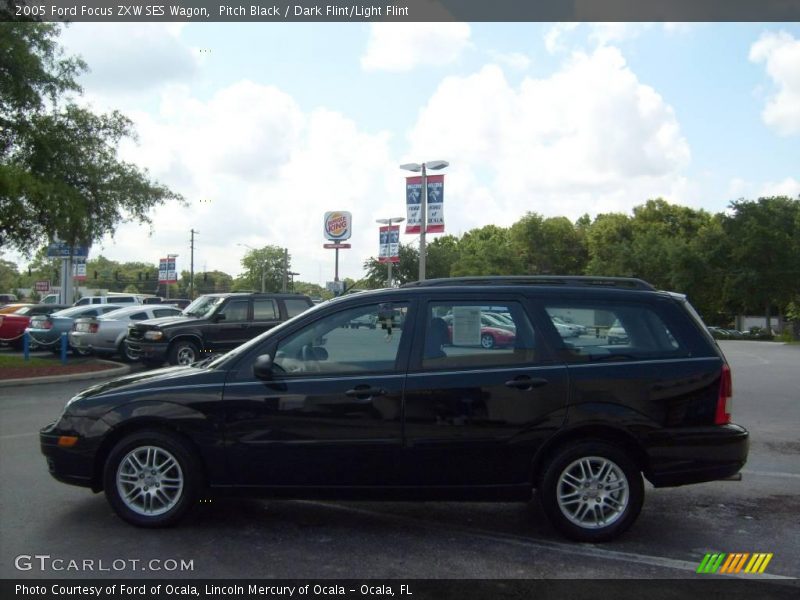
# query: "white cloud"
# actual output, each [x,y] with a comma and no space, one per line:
[405,46]
[129,58]
[514,60]
[607,33]
[787,187]
[591,138]
[258,170]
[553,39]
[781,53]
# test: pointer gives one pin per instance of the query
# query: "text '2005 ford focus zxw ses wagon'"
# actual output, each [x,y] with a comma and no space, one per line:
[419,408]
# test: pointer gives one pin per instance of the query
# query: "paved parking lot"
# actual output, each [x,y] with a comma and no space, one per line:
[294,539]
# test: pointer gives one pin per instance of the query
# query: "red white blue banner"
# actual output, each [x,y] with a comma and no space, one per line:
[435,217]
[389,249]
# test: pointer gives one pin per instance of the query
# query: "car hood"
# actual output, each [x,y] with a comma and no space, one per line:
[98,399]
[163,322]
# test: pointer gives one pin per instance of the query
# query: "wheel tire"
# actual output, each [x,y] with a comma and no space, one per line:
[168,504]
[124,352]
[487,341]
[562,475]
[183,352]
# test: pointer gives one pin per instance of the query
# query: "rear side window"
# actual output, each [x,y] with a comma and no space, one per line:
[295,306]
[265,309]
[140,316]
[467,334]
[603,331]
[166,312]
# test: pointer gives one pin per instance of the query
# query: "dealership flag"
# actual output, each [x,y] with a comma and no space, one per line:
[435,204]
[389,250]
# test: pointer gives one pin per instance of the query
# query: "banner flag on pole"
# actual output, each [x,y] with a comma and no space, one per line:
[389,249]
[435,204]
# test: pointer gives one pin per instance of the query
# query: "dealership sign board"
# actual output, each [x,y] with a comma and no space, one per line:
[435,217]
[338,225]
[166,270]
[389,249]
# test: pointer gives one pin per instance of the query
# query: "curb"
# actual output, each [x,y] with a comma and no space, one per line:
[120,369]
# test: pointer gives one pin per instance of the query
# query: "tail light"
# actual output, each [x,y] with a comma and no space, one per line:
[44,324]
[723,415]
[93,327]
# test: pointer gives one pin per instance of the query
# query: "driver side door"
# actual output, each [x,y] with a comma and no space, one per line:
[330,416]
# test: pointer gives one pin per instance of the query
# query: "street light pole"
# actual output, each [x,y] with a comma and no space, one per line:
[433,165]
[389,222]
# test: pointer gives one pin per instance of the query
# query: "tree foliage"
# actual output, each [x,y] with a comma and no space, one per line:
[266,261]
[59,171]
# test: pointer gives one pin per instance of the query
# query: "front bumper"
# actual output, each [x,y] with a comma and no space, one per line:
[74,465]
[148,351]
[696,454]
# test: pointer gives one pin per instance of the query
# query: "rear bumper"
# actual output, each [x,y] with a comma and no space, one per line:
[697,454]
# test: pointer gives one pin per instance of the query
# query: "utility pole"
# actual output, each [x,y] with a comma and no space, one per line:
[285,269]
[191,265]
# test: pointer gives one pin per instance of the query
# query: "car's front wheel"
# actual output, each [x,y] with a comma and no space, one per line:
[125,353]
[151,479]
[183,353]
[592,491]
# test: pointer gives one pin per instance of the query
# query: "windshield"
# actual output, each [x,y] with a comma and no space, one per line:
[203,306]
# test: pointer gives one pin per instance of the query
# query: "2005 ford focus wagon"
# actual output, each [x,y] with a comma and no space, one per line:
[422,407]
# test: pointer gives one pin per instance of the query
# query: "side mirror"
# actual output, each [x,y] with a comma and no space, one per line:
[320,353]
[262,367]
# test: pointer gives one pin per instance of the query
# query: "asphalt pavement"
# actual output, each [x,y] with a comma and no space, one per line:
[300,539]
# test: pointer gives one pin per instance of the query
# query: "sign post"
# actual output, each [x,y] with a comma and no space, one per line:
[66,252]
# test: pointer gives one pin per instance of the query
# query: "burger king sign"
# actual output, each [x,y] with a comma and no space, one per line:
[338,225]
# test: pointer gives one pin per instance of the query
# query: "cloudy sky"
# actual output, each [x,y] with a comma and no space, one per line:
[264,127]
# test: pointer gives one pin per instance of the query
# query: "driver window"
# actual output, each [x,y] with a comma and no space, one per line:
[365,339]
[236,310]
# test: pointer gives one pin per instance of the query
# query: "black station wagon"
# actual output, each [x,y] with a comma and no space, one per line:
[418,408]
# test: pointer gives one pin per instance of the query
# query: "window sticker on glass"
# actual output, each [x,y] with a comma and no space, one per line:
[466,325]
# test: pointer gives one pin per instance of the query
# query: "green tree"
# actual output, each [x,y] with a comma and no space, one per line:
[266,263]
[442,256]
[9,276]
[549,246]
[487,251]
[403,272]
[59,171]
[764,252]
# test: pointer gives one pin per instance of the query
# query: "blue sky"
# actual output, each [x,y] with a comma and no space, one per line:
[274,124]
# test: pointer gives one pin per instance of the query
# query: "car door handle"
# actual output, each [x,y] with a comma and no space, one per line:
[526,383]
[364,391]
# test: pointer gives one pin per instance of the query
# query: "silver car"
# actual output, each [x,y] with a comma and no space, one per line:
[106,334]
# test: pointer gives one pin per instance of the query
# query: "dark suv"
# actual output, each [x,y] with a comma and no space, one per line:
[211,324]
[315,408]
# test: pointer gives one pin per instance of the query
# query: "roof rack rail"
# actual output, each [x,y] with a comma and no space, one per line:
[630,283]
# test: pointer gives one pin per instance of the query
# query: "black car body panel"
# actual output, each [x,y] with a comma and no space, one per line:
[463,422]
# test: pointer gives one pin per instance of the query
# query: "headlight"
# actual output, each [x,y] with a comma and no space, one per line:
[153,335]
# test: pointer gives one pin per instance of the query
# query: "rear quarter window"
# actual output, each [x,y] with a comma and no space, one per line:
[620,331]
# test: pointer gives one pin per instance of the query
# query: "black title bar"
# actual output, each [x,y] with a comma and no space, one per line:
[400,11]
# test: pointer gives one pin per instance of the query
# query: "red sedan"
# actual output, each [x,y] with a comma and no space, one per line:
[13,325]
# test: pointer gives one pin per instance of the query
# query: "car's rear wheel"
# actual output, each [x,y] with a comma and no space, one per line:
[487,341]
[183,352]
[151,479]
[592,491]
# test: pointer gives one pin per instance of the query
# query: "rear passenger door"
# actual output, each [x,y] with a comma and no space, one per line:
[266,315]
[479,400]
